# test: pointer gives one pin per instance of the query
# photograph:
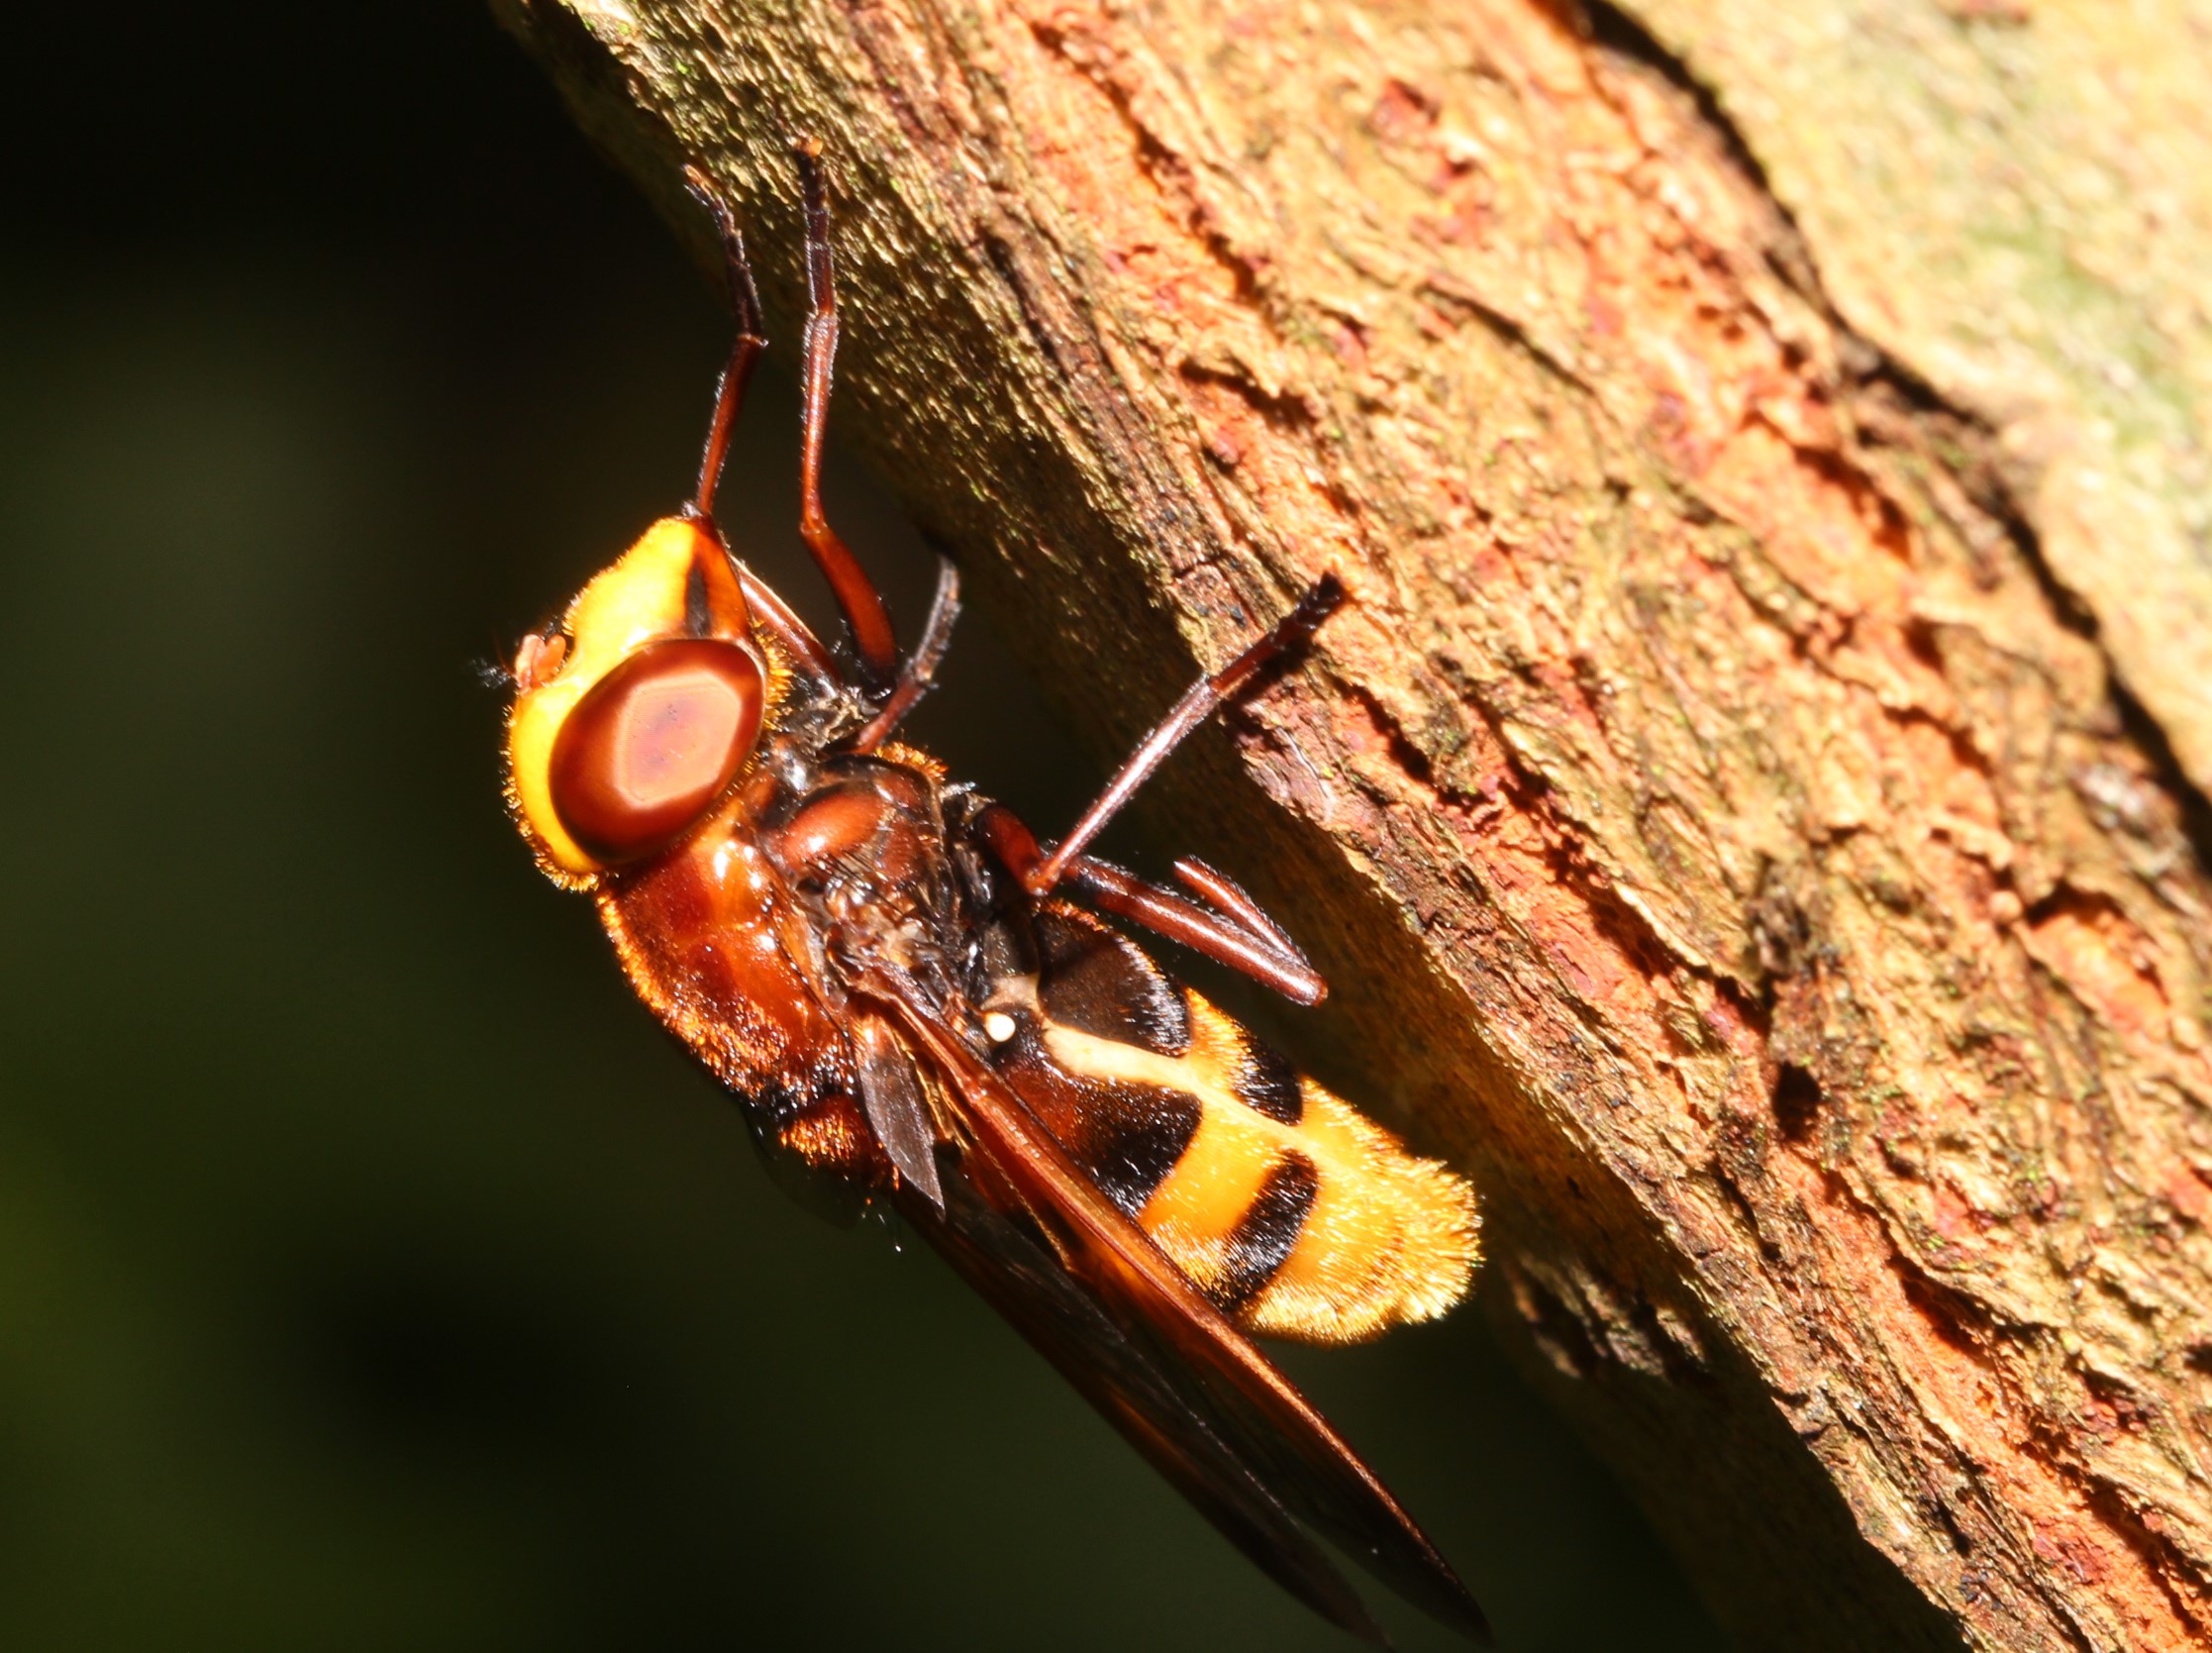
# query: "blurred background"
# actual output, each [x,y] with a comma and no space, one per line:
[373,1272]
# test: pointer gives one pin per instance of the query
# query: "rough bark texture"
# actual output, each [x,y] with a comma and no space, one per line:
[1747,811]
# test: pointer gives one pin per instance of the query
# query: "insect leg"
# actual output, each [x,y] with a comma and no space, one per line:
[919,674]
[769,611]
[1231,897]
[1267,957]
[1266,954]
[1189,712]
[744,353]
[858,599]
[773,616]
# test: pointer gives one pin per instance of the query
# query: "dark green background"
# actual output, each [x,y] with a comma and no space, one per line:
[373,1273]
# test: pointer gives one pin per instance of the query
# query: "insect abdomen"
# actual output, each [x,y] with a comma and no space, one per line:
[1297,1217]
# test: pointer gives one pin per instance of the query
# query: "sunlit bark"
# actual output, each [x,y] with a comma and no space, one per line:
[1745,810]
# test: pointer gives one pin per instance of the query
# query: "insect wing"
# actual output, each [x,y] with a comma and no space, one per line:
[891,1095]
[1187,1388]
[1125,1378]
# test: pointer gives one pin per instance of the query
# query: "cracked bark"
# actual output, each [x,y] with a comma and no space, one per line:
[1747,809]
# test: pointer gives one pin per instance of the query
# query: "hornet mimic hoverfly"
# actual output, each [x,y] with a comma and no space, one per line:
[916,1001]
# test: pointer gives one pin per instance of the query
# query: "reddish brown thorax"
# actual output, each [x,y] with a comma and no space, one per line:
[880,821]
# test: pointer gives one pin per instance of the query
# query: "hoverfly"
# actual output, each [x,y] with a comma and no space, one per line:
[917,1002]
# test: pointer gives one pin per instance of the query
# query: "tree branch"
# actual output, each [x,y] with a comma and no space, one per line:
[1724,834]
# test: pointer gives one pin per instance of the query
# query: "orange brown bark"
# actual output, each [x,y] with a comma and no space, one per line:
[1724,841]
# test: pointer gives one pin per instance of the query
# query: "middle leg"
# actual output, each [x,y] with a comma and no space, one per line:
[1196,705]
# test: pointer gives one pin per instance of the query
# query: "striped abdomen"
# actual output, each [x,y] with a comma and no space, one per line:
[1296,1215]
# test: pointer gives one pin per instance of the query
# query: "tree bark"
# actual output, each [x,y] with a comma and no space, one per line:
[1751,811]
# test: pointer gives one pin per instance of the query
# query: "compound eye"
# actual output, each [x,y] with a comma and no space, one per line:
[655,744]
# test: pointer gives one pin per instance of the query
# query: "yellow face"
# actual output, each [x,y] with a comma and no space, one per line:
[631,726]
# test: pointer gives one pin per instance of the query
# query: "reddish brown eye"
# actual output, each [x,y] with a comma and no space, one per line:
[652,746]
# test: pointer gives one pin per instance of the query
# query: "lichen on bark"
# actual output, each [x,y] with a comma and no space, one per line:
[1717,809]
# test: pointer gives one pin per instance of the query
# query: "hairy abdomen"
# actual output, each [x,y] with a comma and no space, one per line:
[1296,1215]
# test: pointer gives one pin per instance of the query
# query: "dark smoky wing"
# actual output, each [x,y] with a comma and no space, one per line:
[1212,1411]
[1130,1383]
